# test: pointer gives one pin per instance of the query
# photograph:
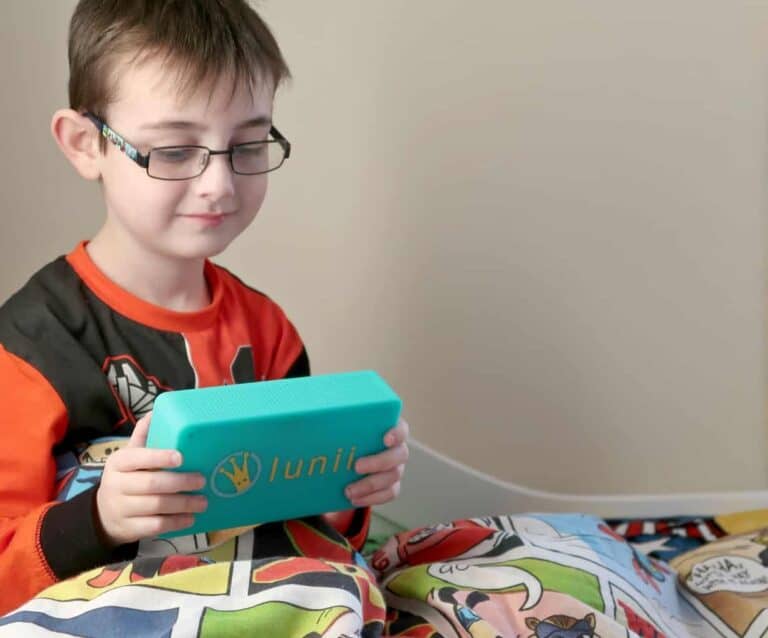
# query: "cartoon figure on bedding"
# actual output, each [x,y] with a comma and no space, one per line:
[728,579]
[462,613]
[589,538]
[562,627]
[498,576]
[465,600]
[440,542]
[650,570]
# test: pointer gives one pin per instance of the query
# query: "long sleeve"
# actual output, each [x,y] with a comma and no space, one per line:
[41,541]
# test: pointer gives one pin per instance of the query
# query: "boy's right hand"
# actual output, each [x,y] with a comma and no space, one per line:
[138,499]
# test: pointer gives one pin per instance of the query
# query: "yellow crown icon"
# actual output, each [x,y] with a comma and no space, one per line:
[239,475]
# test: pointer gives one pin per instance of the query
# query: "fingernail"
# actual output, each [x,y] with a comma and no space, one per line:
[350,493]
[360,467]
[389,439]
[176,458]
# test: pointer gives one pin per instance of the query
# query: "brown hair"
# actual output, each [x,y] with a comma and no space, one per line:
[199,40]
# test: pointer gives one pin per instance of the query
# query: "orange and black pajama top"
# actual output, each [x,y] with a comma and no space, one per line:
[81,360]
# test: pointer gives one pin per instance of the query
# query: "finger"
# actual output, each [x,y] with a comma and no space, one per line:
[157,504]
[130,459]
[149,526]
[398,434]
[159,482]
[382,461]
[140,431]
[373,483]
[378,498]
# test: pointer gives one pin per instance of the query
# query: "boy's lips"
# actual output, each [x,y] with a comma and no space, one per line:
[205,214]
[208,219]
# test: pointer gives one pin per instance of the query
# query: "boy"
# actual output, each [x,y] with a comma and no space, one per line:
[171,111]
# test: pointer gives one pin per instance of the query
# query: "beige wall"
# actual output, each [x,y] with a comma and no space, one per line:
[541,221]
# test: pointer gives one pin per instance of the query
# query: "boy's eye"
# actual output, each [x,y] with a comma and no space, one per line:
[175,155]
[250,150]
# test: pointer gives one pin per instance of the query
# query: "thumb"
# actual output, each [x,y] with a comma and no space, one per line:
[140,431]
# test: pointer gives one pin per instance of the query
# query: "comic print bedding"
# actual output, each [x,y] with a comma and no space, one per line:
[530,576]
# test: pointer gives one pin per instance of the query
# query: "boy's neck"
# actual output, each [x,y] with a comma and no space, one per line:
[162,281]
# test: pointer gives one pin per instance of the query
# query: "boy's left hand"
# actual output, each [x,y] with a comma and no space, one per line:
[384,470]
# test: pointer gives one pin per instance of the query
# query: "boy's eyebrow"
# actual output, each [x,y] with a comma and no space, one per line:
[261,120]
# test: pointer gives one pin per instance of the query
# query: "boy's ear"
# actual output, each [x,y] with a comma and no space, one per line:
[78,139]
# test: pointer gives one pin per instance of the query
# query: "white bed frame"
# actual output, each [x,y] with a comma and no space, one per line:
[436,489]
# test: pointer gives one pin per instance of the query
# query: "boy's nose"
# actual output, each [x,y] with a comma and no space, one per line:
[217,180]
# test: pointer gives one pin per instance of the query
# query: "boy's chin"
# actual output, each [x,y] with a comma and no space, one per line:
[198,249]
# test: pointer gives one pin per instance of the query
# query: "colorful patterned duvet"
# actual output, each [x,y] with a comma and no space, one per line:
[533,576]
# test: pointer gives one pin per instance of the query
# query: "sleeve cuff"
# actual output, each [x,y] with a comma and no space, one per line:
[70,541]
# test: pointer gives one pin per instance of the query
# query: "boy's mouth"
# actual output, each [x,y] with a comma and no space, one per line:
[207,219]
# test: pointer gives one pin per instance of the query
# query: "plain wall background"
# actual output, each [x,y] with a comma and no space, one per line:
[542,222]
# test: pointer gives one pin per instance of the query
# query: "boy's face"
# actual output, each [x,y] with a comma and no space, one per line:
[186,219]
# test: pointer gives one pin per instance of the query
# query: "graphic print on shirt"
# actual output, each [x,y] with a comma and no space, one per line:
[81,469]
[242,365]
[80,360]
[134,390]
[220,359]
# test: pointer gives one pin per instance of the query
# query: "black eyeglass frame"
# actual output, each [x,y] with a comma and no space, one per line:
[143,160]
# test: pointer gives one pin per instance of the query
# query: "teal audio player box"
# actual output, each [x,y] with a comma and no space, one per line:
[274,450]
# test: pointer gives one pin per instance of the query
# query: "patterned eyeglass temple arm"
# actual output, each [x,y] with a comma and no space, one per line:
[118,140]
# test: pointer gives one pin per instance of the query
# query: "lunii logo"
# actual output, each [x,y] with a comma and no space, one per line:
[236,473]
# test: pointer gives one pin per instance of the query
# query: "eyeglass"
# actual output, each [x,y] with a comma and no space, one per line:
[174,163]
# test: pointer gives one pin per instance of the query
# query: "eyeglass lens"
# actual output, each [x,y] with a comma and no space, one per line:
[185,162]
